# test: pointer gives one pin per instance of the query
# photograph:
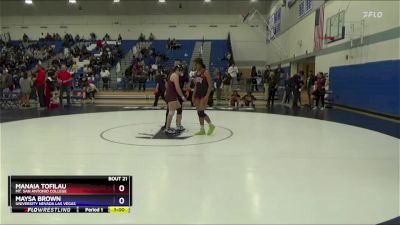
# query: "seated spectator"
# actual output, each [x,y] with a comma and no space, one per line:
[99,44]
[89,91]
[235,99]
[248,99]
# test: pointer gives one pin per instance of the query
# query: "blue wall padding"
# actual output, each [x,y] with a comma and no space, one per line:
[372,86]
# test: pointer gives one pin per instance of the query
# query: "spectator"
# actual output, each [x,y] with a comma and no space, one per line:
[64,79]
[93,37]
[142,38]
[272,87]
[118,67]
[51,71]
[235,98]
[89,91]
[77,38]
[40,82]
[160,88]
[25,84]
[141,78]
[119,38]
[310,85]
[151,37]
[25,38]
[301,74]
[254,85]
[8,81]
[48,93]
[218,85]
[320,91]
[266,79]
[127,79]
[296,85]
[226,82]
[279,71]
[233,71]
[249,99]
[105,76]
[288,90]
[106,37]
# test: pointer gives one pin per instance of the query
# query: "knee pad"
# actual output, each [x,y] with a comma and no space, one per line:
[201,114]
[179,111]
[171,113]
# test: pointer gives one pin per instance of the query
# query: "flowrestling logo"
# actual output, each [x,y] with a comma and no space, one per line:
[373,14]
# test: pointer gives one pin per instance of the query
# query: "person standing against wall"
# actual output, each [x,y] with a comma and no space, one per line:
[320,91]
[266,81]
[309,85]
[296,85]
[272,87]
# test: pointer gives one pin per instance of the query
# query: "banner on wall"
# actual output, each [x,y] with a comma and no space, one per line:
[319,28]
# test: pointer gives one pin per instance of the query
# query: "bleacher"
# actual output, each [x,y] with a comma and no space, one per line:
[184,53]
[218,51]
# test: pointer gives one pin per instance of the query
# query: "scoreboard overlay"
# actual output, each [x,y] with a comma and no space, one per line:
[70,194]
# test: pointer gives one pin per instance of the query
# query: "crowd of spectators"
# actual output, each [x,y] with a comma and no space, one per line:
[18,59]
[146,64]
[142,37]
[16,62]
[51,37]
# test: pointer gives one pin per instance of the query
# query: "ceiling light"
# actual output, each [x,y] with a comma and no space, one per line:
[72,1]
[28,2]
[116,1]
[161,1]
[207,0]
[253,0]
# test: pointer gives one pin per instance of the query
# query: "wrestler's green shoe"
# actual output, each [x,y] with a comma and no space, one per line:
[211,129]
[201,132]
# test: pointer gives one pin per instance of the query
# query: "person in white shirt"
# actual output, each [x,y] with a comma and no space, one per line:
[105,76]
[233,71]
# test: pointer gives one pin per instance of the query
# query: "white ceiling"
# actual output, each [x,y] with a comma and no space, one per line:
[130,7]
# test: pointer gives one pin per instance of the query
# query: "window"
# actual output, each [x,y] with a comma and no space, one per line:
[277,21]
[304,7]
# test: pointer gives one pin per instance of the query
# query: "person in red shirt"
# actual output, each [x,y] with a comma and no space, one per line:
[40,83]
[64,79]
